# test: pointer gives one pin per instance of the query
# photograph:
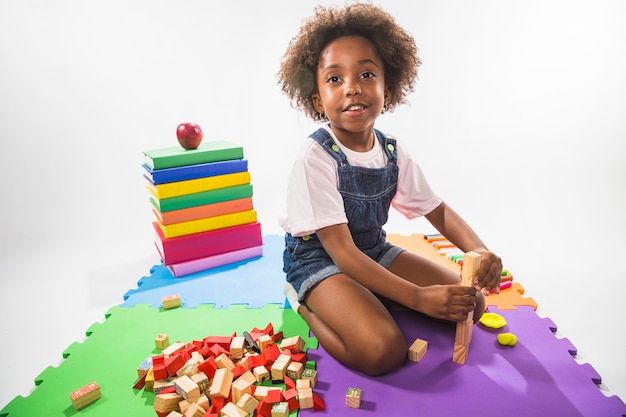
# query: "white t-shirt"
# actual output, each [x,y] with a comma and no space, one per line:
[314,202]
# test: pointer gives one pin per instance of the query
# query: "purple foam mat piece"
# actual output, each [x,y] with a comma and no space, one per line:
[536,377]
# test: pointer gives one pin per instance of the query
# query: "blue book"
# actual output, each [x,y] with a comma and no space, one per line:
[192,172]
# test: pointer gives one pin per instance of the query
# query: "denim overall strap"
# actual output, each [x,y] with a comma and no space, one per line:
[389,145]
[322,137]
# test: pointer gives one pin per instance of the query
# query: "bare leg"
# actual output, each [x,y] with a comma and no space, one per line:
[353,326]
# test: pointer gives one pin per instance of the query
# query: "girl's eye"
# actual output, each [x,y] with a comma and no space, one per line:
[368,75]
[333,79]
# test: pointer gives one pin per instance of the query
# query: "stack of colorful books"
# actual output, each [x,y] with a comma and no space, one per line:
[202,200]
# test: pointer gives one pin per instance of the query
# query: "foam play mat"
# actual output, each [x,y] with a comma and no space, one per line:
[536,376]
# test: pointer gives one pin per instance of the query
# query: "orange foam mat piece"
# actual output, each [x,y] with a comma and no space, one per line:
[508,299]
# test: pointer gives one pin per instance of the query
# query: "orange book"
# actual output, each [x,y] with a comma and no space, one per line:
[200,212]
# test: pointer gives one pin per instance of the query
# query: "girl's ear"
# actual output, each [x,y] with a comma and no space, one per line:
[387,96]
[317,102]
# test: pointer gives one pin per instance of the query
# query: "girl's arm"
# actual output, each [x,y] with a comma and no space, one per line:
[449,302]
[459,233]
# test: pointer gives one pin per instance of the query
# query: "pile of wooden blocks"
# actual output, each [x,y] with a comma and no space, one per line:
[259,373]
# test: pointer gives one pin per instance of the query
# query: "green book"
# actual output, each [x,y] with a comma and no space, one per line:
[177,156]
[199,199]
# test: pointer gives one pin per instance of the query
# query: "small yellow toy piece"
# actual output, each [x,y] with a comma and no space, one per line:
[492,320]
[507,339]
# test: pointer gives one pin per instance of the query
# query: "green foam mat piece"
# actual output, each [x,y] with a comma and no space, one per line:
[115,348]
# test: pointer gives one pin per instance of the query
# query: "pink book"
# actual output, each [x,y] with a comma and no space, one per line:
[201,245]
[197,265]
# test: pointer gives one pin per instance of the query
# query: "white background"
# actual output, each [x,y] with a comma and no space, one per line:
[518,121]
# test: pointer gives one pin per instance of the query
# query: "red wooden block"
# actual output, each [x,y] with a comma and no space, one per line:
[238,371]
[269,330]
[158,360]
[271,352]
[217,350]
[160,372]
[218,404]
[264,409]
[169,390]
[223,341]
[289,383]
[318,403]
[173,364]
[291,397]
[257,360]
[208,367]
[274,396]
[204,351]
[277,337]
[141,382]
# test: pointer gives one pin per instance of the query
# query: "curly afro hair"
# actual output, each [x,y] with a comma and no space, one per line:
[397,49]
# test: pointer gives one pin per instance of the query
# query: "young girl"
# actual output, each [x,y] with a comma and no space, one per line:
[345,68]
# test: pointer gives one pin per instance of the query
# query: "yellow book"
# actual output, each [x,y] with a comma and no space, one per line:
[178,188]
[208,223]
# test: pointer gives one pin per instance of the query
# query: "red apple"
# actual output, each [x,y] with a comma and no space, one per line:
[189,135]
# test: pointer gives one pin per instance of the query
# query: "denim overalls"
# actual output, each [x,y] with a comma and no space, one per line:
[367,195]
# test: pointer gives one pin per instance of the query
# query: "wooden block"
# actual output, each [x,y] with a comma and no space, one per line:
[279,368]
[161,341]
[261,373]
[195,410]
[165,403]
[231,410]
[318,403]
[295,344]
[260,392]
[239,387]
[280,409]
[248,376]
[264,341]
[162,385]
[418,350]
[310,374]
[295,370]
[204,402]
[85,395]
[149,381]
[291,397]
[171,301]
[222,381]
[223,361]
[187,389]
[303,383]
[274,396]
[174,414]
[237,345]
[202,380]
[171,349]
[142,369]
[247,403]
[463,336]
[305,398]
[353,397]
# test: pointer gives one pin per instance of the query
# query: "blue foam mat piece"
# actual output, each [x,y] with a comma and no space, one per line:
[255,282]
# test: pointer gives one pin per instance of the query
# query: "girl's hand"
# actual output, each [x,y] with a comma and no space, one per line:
[447,302]
[489,274]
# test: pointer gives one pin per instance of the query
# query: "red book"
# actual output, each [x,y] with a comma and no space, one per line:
[202,245]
